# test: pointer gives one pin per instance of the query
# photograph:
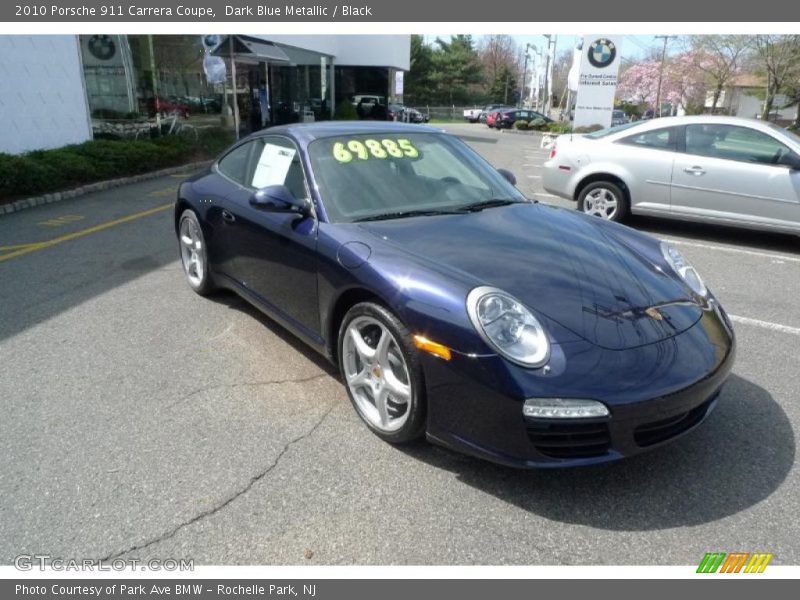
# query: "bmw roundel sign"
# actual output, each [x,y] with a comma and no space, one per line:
[602,53]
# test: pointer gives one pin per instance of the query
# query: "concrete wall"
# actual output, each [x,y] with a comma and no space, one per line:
[42,100]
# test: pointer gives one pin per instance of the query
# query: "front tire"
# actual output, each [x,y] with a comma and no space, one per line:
[382,373]
[604,199]
[194,253]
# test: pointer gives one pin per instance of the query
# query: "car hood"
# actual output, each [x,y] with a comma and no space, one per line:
[573,269]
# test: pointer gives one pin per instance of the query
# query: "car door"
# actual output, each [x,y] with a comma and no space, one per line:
[275,251]
[232,173]
[732,173]
[648,158]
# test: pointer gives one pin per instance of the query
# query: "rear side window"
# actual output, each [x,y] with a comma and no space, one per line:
[236,164]
[659,139]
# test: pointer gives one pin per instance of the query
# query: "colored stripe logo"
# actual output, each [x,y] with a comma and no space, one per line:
[735,562]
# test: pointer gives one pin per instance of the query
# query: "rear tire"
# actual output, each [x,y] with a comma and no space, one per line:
[604,199]
[194,254]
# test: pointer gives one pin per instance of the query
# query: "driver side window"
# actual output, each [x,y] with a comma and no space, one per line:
[731,142]
[278,163]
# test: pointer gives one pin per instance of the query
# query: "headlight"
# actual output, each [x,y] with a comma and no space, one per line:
[506,325]
[682,267]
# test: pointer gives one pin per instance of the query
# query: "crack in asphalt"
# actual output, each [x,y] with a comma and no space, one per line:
[211,511]
[217,386]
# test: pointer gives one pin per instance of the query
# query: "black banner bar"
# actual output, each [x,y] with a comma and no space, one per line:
[375,589]
[219,11]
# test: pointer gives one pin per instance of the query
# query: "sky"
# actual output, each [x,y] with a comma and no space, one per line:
[635,47]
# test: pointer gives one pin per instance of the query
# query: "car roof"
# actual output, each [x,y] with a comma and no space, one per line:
[308,132]
[662,122]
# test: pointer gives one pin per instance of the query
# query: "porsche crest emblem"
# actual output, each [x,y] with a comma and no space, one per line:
[653,313]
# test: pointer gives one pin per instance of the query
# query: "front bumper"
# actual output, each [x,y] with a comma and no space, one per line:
[654,393]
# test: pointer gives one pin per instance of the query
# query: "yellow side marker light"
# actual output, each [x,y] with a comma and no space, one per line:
[439,350]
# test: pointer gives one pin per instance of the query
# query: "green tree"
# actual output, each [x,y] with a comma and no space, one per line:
[719,57]
[504,85]
[456,66]
[419,80]
[779,56]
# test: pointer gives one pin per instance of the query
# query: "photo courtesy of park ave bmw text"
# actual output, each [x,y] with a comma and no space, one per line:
[323,300]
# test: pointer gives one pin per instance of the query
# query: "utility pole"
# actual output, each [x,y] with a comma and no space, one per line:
[661,70]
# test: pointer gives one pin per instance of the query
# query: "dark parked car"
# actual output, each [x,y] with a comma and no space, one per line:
[398,112]
[506,119]
[454,307]
[415,116]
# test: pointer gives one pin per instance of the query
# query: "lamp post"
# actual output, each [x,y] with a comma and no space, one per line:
[548,76]
[536,67]
[524,76]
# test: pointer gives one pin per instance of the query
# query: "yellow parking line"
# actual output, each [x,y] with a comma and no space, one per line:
[17,246]
[33,247]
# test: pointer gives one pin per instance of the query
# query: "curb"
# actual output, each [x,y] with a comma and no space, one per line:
[517,132]
[33,201]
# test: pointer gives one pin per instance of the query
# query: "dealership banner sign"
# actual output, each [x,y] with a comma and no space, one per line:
[597,80]
[367,11]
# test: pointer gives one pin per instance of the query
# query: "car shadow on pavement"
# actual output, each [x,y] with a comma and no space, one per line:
[718,234]
[738,457]
[41,285]
[235,302]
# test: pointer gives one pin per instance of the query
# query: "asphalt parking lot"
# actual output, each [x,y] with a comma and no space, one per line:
[140,420]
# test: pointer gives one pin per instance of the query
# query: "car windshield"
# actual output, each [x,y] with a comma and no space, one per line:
[386,175]
[786,132]
[610,131]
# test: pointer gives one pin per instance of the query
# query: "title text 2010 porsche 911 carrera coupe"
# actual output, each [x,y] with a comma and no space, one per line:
[455,308]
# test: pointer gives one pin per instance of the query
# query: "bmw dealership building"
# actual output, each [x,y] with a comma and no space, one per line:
[65,89]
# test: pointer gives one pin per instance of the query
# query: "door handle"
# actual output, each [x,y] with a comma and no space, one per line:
[696,171]
[228,216]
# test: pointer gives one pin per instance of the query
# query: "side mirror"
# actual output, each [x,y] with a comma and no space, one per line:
[278,198]
[508,175]
[792,161]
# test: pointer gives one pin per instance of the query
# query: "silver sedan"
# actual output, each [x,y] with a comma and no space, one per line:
[723,170]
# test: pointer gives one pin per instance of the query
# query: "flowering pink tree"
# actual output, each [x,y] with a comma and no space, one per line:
[688,84]
[682,84]
[639,83]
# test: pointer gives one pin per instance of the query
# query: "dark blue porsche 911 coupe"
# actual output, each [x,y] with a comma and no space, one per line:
[456,308]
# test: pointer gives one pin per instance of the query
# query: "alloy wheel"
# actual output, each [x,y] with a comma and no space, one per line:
[192,252]
[601,202]
[376,374]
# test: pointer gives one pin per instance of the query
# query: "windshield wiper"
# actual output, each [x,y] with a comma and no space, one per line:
[401,214]
[491,203]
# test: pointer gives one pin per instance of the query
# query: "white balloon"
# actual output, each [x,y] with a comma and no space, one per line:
[215,69]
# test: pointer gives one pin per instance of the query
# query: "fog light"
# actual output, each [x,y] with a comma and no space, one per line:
[563,408]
